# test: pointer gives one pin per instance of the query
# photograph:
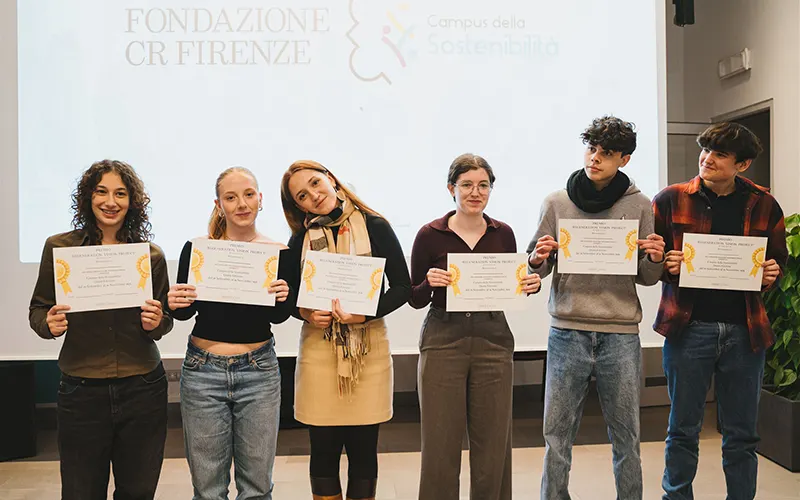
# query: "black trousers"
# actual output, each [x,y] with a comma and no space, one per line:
[360,442]
[121,423]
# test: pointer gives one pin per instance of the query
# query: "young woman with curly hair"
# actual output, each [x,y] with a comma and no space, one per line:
[112,397]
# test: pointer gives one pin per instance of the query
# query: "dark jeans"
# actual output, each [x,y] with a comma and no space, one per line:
[121,422]
[723,351]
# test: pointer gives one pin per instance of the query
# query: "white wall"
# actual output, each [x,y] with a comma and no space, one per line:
[769,28]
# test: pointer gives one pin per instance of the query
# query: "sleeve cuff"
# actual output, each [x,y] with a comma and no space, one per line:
[536,269]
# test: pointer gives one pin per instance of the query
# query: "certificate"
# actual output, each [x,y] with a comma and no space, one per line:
[99,277]
[486,282]
[233,271]
[355,281]
[598,246]
[722,262]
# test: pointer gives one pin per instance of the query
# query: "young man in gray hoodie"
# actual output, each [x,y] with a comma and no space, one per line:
[595,318]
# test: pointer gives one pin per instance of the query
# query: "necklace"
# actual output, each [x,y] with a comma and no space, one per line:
[248,241]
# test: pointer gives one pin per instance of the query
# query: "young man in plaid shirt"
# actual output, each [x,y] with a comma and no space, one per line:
[719,333]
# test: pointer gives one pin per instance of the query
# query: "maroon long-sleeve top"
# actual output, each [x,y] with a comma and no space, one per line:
[431,246]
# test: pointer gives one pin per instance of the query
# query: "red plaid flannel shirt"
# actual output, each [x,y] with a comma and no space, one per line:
[683,208]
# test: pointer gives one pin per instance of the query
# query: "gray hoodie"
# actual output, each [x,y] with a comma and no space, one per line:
[597,303]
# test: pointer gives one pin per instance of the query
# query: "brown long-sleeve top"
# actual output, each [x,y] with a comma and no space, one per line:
[101,344]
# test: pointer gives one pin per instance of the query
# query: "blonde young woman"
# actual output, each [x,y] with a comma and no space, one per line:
[343,386]
[230,382]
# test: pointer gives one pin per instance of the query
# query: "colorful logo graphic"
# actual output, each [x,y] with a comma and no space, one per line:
[380,39]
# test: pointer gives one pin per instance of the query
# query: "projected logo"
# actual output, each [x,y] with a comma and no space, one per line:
[381,34]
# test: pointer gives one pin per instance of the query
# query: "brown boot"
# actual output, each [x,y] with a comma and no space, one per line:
[326,488]
[361,489]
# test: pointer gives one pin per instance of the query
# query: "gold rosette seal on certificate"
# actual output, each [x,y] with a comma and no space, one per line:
[375,282]
[143,267]
[456,277]
[309,270]
[630,241]
[522,273]
[62,273]
[689,253]
[564,240]
[758,261]
[198,259]
[271,269]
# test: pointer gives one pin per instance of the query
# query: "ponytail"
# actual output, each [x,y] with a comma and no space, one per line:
[217,224]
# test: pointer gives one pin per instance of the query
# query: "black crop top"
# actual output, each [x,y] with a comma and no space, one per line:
[236,323]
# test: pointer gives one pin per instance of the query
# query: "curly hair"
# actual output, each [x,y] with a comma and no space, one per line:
[612,134]
[136,227]
[732,138]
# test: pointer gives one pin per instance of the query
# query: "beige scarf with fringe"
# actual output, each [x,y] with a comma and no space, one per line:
[350,342]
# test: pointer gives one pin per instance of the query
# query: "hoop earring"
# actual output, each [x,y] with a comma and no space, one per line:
[221,214]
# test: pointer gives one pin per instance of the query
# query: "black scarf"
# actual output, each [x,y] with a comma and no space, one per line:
[584,195]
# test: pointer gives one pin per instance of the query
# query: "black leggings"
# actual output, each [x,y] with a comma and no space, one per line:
[359,441]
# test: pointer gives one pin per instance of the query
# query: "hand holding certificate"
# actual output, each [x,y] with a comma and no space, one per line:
[722,262]
[99,277]
[355,281]
[487,282]
[598,246]
[233,271]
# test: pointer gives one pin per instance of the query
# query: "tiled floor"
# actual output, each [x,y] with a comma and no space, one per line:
[399,476]
[37,478]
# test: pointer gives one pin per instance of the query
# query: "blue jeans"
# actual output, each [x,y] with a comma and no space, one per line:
[701,351]
[231,409]
[615,360]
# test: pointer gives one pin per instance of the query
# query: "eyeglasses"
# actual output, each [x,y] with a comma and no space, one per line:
[468,187]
